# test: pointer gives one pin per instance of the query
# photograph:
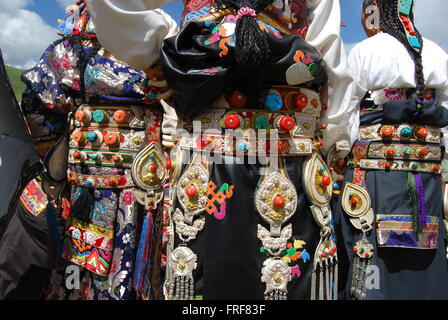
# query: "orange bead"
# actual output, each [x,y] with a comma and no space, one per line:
[387,132]
[80,116]
[422,133]
[110,138]
[120,116]
[116,158]
[79,137]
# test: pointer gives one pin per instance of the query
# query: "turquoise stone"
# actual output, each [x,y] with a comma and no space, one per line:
[273,102]
[415,166]
[406,132]
[261,122]
[91,136]
[93,156]
[242,147]
[99,116]
[87,183]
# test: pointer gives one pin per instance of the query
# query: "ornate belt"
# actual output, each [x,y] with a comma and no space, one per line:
[403,132]
[101,182]
[398,147]
[249,146]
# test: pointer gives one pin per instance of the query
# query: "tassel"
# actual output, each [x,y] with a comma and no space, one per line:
[55,235]
[412,191]
[142,260]
[83,205]
[422,213]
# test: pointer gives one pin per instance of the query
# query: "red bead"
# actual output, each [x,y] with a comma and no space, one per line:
[190,190]
[69,179]
[116,158]
[168,165]
[436,168]
[77,155]
[367,255]
[390,153]
[355,249]
[150,208]
[388,165]
[80,116]
[232,121]
[238,99]
[286,123]
[153,168]
[326,181]
[300,101]
[113,182]
[279,201]
[424,152]
[122,181]
[321,143]
[324,254]
[422,132]
[353,202]
[324,126]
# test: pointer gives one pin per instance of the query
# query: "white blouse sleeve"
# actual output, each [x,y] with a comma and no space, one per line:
[132,30]
[324,35]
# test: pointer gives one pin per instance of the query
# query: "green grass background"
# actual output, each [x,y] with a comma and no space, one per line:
[17,85]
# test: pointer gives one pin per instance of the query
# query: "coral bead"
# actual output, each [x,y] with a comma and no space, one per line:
[191,190]
[423,152]
[300,101]
[120,116]
[238,99]
[422,133]
[387,132]
[279,201]
[232,121]
[390,153]
[110,138]
[326,181]
[286,123]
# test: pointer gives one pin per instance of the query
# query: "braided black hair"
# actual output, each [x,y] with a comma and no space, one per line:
[83,58]
[251,47]
[390,23]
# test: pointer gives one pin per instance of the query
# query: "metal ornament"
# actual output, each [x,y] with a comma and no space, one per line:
[276,185]
[276,202]
[319,188]
[149,174]
[182,262]
[276,274]
[356,204]
[361,261]
[191,191]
